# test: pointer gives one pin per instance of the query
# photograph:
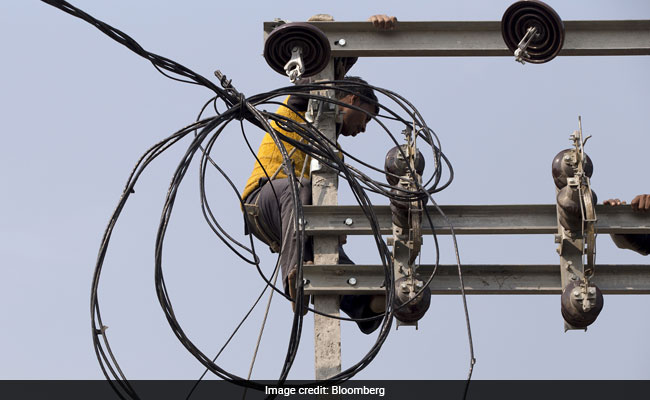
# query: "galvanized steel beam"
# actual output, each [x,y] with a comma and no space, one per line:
[476,38]
[472,220]
[479,279]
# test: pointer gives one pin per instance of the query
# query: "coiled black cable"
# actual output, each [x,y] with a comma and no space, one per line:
[312,143]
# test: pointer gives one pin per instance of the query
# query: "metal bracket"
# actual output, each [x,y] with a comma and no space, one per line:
[295,67]
[577,248]
[407,243]
[521,52]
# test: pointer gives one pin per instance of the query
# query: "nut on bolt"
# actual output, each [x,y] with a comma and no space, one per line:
[352,281]
[341,42]
[349,221]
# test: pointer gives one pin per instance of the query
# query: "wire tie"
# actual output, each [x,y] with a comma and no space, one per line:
[242,110]
[101,331]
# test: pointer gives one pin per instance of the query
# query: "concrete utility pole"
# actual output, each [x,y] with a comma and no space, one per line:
[324,183]
[325,220]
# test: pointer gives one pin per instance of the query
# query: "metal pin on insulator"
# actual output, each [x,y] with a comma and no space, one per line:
[294,68]
[521,53]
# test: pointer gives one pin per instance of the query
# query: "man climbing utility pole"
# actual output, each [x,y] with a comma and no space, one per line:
[268,197]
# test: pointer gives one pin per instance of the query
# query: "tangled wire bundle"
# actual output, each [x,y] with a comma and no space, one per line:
[312,143]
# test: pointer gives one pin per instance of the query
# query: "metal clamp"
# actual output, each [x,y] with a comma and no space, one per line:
[521,52]
[294,68]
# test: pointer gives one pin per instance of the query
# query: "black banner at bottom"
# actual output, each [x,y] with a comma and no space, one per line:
[356,389]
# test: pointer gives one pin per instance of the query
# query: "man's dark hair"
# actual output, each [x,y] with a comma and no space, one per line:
[352,85]
[360,88]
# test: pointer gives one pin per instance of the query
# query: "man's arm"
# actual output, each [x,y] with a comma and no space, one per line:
[635,242]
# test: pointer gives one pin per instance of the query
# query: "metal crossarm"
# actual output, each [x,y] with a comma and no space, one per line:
[294,43]
[472,220]
[479,279]
[476,38]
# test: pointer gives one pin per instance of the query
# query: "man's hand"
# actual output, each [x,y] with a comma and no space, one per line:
[613,202]
[641,203]
[383,21]
[634,242]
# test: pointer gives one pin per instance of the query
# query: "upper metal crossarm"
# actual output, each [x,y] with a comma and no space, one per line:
[476,38]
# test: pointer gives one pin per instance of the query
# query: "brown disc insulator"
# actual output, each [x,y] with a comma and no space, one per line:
[415,310]
[313,44]
[397,165]
[562,169]
[400,216]
[569,210]
[572,310]
[549,37]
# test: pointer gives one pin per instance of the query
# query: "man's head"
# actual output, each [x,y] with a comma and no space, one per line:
[361,96]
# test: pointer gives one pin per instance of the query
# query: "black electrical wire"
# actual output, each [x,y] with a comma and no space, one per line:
[312,143]
[234,332]
[207,127]
[161,63]
[319,148]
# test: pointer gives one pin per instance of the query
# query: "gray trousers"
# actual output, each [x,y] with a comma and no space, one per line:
[270,217]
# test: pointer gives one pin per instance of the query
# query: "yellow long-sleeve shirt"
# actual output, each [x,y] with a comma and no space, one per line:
[270,157]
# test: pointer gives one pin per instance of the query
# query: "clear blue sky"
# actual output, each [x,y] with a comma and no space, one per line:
[78,110]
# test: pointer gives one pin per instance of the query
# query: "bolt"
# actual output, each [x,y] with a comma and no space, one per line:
[576,293]
[419,284]
[341,42]
[403,286]
[592,290]
[349,221]
[352,281]
[574,278]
